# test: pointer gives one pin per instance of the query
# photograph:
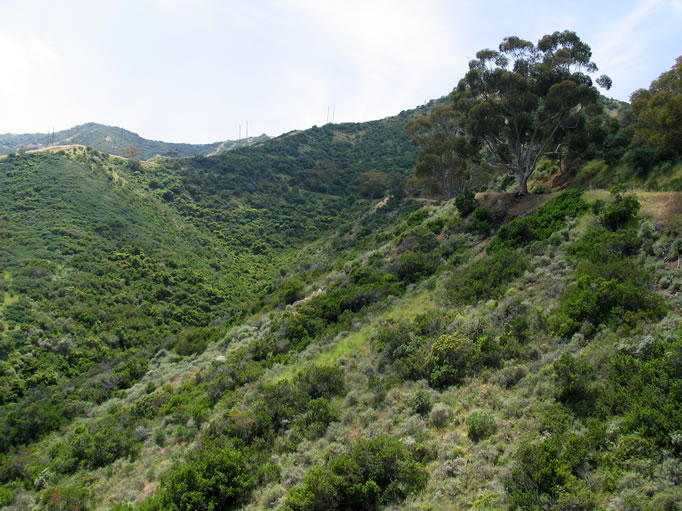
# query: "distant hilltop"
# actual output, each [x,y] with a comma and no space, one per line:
[115,140]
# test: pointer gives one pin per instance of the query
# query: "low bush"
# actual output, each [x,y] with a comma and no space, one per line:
[214,477]
[481,221]
[466,203]
[376,471]
[480,425]
[487,277]
[617,212]
[604,293]
[421,402]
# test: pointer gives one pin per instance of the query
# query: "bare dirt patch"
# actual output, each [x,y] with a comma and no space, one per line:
[508,205]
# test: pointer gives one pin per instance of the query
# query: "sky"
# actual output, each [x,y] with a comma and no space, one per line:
[197,70]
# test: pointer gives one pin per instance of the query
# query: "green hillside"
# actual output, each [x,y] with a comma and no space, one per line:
[113,140]
[297,326]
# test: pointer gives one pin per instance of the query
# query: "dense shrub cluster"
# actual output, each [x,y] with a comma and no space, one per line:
[538,227]
[376,471]
[487,277]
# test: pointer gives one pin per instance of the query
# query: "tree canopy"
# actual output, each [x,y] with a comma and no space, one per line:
[444,164]
[659,112]
[518,103]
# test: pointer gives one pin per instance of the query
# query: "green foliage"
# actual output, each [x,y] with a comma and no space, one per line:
[647,390]
[481,221]
[617,212]
[215,477]
[67,498]
[465,203]
[291,290]
[195,340]
[480,425]
[603,293]
[487,277]
[443,165]
[452,357]
[421,402]
[574,378]
[376,471]
[538,227]
[546,474]
[658,112]
[418,217]
[520,100]
[114,436]
[599,245]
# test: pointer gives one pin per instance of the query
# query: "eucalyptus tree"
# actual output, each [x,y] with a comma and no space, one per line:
[519,102]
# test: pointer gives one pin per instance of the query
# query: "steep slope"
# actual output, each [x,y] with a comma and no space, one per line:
[399,362]
[105,261]
[115,140]
[247,331]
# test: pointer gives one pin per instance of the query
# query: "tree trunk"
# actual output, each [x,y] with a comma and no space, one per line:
[522,179]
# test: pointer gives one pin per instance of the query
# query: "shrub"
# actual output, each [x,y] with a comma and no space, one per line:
[440,415]
[598,245]
[195,340]
[421,402]
[574,378]
[417,217]
[480,426]
[466,203]
[320,381]
[377,471]
[413,266]
[62,498]
[215,477]
[616,213]
[544,475]
[481,221]
[291,290]
[487,277]
[603,293]
[452,357]
[538,227]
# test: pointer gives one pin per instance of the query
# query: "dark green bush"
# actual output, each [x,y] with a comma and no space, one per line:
[599,245]
[616,213]
[487,277]
[604,293]
[417,217]
[414,266]
[545,475]
[481,221]
[574,379]
[452,357]
[436,226]
[466,203]
[215,477]
[291,290]
[195,340]
[421,402]
[376,472]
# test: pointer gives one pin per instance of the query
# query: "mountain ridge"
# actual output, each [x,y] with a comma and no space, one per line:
[116,140]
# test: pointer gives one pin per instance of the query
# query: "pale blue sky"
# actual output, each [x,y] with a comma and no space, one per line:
[194,70]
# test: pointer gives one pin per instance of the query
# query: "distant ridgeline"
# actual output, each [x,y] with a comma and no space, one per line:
[113,140]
